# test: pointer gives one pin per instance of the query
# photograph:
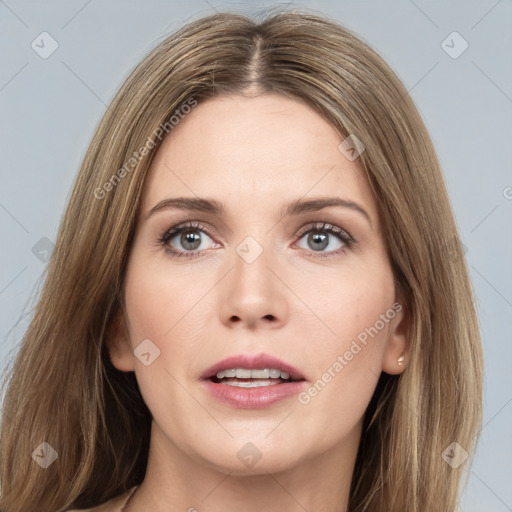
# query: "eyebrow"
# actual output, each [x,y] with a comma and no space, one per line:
[204,205]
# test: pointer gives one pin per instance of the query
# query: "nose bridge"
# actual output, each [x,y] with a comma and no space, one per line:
[253,293]
[251,261]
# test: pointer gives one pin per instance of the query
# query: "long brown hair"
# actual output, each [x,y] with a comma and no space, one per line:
[63,389]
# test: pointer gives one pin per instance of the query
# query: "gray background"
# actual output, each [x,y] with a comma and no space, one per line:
[50,107]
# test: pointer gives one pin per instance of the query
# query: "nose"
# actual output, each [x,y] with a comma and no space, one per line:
[253,294]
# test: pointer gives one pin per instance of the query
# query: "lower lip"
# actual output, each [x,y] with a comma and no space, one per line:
[253,398]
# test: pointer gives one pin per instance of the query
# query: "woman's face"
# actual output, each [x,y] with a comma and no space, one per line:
[264,276]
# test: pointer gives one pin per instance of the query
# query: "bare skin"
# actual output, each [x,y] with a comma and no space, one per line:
[255,155]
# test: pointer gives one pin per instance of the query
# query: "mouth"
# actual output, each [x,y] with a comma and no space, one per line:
[255,378]
[259,369]
[252,381]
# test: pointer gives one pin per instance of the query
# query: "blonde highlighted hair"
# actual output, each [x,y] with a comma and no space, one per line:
[63,388]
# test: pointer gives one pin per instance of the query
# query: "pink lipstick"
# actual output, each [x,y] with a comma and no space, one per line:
[252,381]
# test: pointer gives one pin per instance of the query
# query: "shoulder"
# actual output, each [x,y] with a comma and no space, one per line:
[112,505]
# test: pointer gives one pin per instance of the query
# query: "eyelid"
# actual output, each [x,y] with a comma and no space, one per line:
[200,226]
[324,226]
[304,229]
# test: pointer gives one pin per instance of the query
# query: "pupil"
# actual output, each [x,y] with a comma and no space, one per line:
[189,237]
[319,238]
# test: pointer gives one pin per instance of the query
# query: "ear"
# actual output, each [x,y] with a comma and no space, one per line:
[118,343]
[396,355]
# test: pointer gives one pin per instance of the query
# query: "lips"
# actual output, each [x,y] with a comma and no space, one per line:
[258,391]
[252,362]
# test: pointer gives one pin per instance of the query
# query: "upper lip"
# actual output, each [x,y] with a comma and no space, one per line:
[251,362]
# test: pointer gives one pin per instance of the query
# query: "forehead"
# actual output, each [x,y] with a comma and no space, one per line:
[259,152]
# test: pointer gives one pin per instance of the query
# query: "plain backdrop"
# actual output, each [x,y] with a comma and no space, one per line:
[454,58]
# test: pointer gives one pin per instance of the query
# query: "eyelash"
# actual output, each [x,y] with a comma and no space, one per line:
[342,235]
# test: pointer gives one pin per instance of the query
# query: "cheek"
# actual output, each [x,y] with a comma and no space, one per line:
[159,308]
[157,300]
[168,308]
[348,312]
[347,361]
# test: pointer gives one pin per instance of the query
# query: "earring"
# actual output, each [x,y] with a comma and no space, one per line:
[401,360]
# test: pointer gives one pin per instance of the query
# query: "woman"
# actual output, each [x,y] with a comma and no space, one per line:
[257,299]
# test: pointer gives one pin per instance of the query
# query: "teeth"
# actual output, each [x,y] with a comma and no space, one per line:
[261,374]
[264,373]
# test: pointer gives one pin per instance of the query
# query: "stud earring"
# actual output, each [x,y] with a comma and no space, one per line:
[401,360]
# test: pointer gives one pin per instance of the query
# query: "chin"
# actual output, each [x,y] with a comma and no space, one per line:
[247,455]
